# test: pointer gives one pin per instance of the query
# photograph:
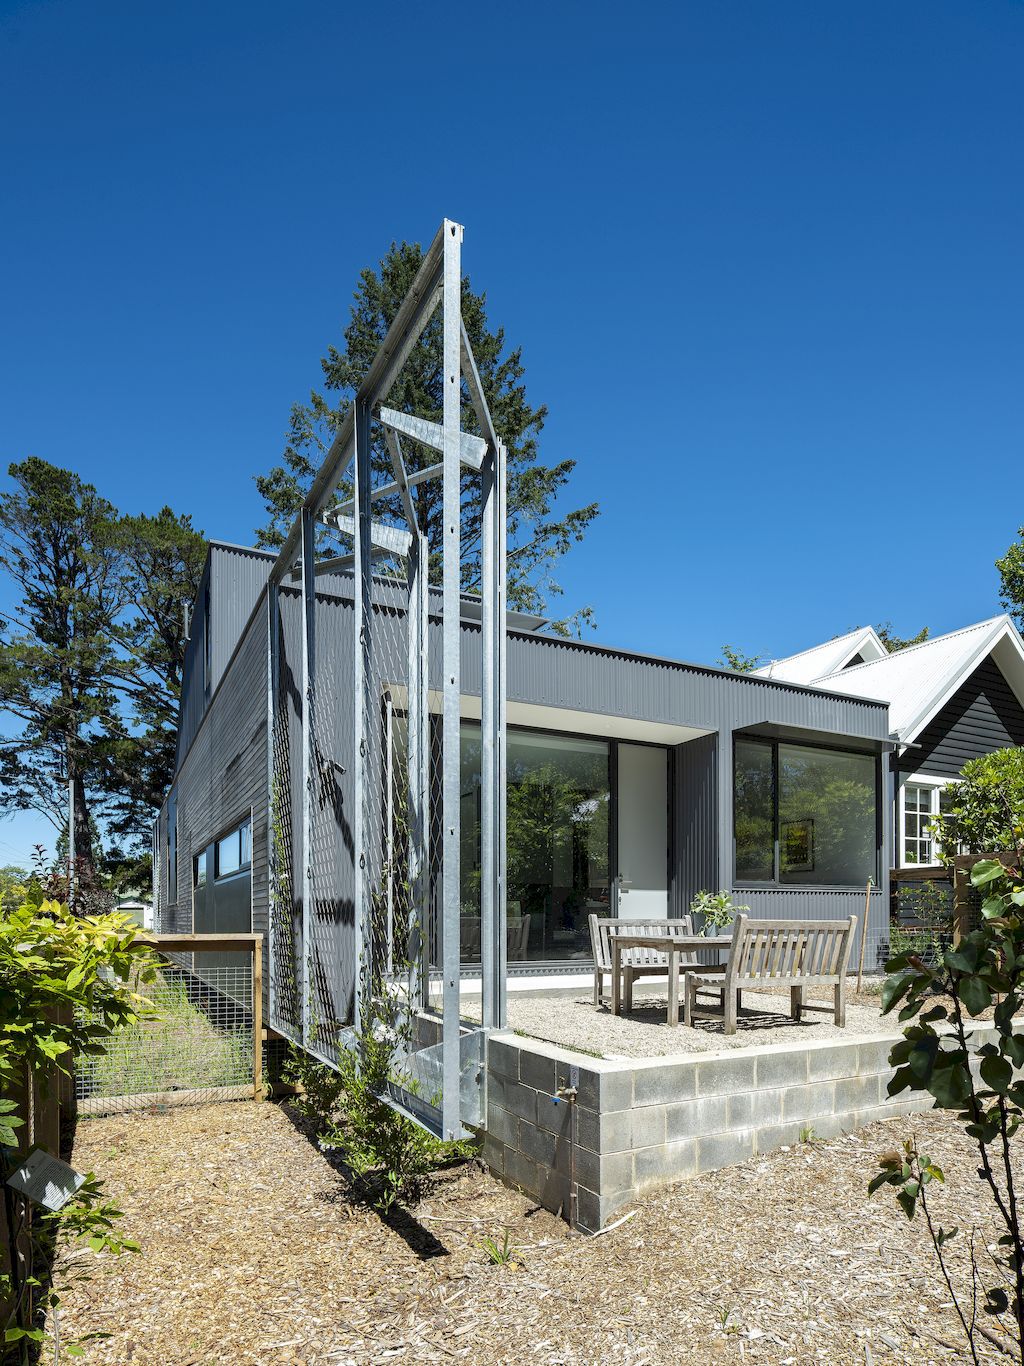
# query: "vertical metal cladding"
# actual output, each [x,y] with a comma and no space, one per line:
[226,768]
[238,576]
[695,842]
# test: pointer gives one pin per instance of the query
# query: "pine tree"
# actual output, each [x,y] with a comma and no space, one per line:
[538,535]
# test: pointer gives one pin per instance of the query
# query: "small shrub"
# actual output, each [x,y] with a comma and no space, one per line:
[981,1084]
[320,1088]
[389,1155]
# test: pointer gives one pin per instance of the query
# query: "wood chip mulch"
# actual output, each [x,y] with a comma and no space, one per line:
[253,1253]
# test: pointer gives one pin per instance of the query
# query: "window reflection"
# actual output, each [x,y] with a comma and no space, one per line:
[558,802]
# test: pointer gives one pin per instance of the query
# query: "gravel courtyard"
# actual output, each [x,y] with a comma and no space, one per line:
[253,1254]
[644,1032]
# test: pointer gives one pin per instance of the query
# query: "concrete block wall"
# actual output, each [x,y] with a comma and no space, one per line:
[637,1124]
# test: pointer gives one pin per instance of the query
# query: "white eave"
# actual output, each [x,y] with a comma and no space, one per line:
[918,681]
[830,657]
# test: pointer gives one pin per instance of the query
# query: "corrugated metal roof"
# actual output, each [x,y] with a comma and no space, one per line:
[911,679]
[810,665]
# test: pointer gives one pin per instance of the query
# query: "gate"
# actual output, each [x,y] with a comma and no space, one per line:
[205,1042]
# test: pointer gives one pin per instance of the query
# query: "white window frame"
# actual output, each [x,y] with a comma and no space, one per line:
[937,785]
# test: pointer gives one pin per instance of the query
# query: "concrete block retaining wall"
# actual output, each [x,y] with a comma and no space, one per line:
[640,1123]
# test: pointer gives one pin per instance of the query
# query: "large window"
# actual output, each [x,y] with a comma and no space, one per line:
[804,815]
[558,803]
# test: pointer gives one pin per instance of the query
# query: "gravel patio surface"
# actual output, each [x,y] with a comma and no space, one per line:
[644,1033]
[253,1254]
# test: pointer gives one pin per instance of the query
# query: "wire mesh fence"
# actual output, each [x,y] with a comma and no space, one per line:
[197,1047]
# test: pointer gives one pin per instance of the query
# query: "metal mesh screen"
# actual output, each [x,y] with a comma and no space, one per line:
[198,1049]
[285,983]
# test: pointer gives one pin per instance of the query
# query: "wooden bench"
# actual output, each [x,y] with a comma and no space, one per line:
[769,954]
[636,962]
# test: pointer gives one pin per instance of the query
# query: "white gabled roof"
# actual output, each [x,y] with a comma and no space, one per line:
[918,681]
[810,665]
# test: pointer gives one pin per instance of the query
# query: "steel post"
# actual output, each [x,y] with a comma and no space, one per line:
[451,584]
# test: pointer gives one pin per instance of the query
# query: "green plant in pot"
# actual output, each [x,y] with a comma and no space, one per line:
[717,909]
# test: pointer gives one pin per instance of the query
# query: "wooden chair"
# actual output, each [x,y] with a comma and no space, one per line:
[641,962]
[773,954]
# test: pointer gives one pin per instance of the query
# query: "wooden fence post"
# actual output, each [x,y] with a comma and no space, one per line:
[257,1017]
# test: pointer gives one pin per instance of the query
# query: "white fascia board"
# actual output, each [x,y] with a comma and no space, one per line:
[1003,630]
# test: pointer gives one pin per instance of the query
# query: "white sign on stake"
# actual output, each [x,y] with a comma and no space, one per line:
[46,1180]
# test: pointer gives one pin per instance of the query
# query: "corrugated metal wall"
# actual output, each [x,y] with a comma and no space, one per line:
[232,581]
[695,837]
[223,776]
[807,903]
[237,579]
[226,769]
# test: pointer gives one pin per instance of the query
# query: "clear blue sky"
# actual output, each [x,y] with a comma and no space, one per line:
[764,260]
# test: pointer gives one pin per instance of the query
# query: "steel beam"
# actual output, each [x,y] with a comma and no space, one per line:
[471,449]
[406,328]
[273,816]
[308,535]
[382,537]
[493,900]
[389,490]
[362,687]
[451,574]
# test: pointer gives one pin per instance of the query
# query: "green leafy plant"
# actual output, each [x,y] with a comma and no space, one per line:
[64,989]
[319,1088]
[717,909]
[980,1083]
[984,810]
[503,1253]
[390,1156]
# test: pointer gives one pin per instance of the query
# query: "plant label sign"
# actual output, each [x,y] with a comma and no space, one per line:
[46,1180]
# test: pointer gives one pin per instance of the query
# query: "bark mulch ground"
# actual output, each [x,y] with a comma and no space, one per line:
[253,1253]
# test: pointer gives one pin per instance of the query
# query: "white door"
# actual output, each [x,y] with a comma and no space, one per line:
[643,833]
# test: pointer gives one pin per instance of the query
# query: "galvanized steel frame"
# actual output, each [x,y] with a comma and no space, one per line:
[437,283]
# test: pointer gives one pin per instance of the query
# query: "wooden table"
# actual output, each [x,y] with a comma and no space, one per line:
[673,946]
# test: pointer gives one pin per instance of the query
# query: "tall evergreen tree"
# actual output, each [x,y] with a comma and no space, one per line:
[539,534]
[59,545]
[162,563]
[91,657]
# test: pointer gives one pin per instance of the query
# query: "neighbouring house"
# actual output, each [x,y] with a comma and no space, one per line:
[951,699]
[633,782]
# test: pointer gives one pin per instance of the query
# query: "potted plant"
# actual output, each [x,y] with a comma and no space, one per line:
[717,909]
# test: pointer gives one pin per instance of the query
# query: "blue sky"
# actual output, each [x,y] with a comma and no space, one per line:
[764,261]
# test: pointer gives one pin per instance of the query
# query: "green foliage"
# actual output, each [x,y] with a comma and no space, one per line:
[738,661]
[930,926]
[717,908]
[985,809]
[388,1154]
[53,964]
[538,536]
[937,1054]
[319,1089]
[91,654]
[893,642]
[1011,579]
[63,992]
[503,1253]
[13,882]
